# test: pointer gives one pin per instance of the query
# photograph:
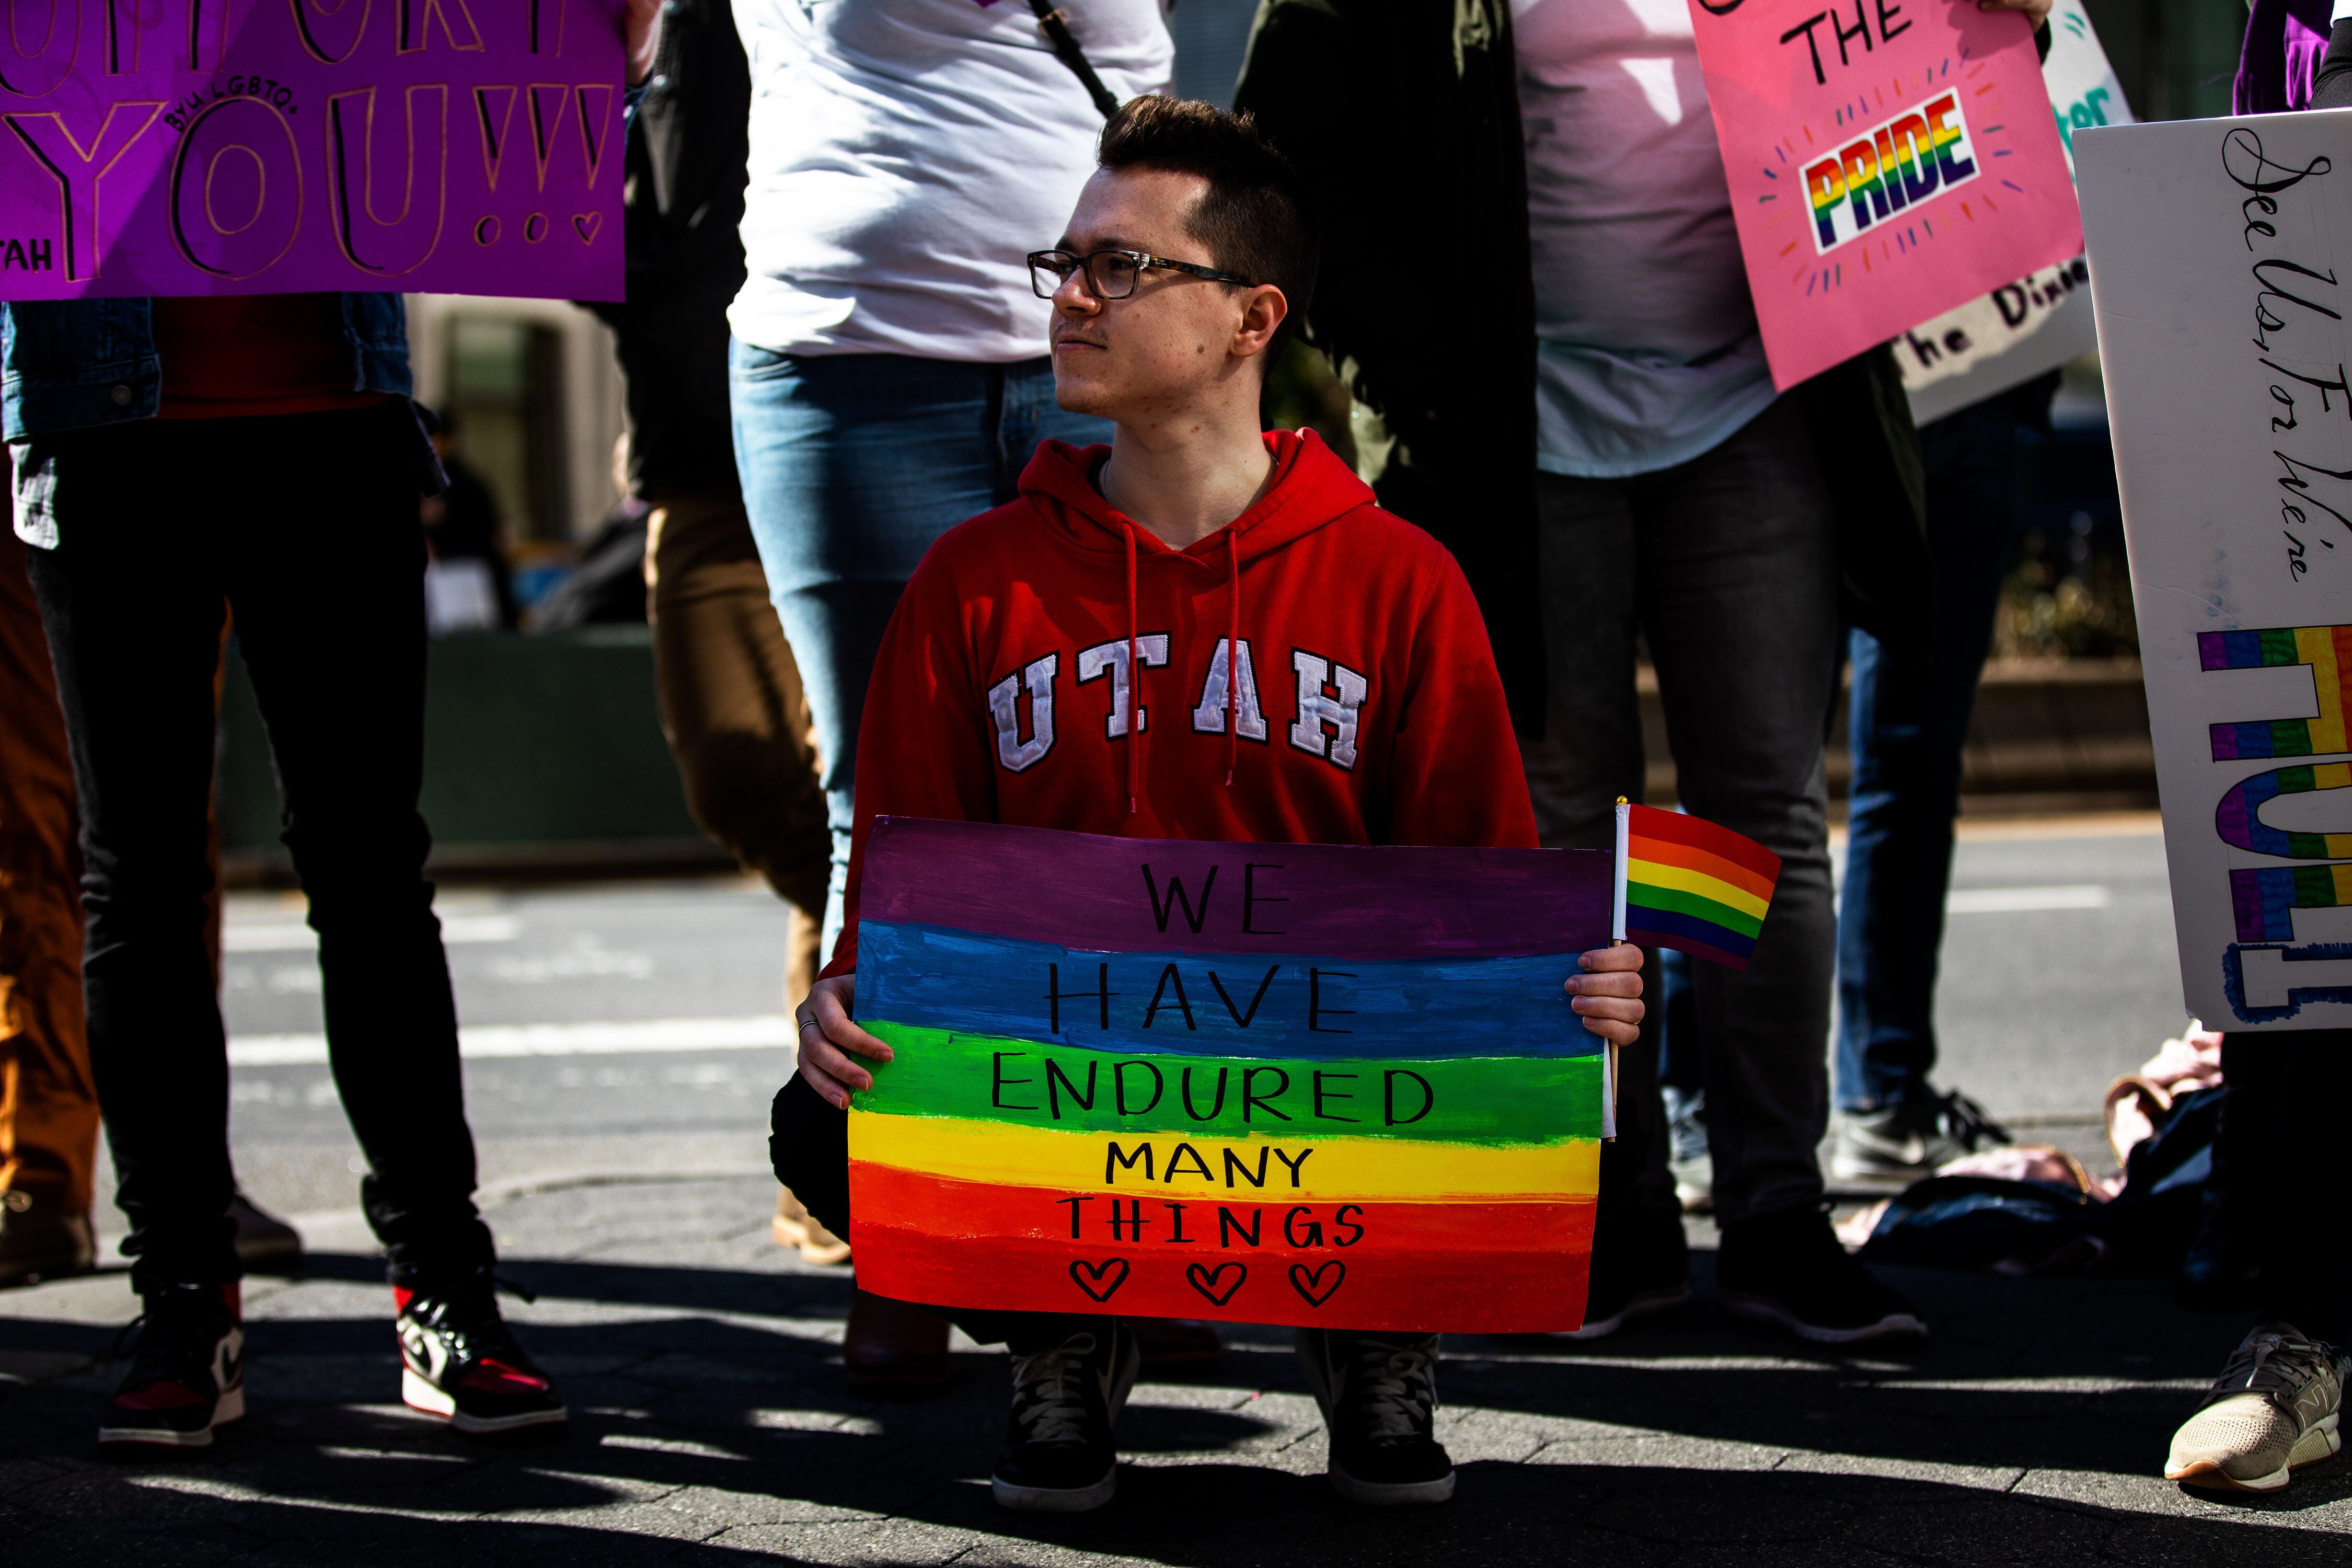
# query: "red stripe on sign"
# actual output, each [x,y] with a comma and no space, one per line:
[1502,1268]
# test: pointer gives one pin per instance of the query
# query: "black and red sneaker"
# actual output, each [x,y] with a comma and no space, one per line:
[187,1372]
[459,1360]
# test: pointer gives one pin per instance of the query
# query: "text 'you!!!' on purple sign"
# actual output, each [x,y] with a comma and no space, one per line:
[276,146]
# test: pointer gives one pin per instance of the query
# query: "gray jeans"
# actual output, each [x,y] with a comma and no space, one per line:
[1727,565]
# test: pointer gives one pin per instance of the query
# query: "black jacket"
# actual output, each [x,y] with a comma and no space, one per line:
[1404,117]
[689,144]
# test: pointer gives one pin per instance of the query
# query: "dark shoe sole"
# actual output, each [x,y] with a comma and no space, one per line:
[1644,1304]
[1054,1500]
[420,1397]
[1388,1494]
[229,1407]
[1758,1308]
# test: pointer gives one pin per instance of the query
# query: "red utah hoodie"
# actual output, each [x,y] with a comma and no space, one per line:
[1369,710]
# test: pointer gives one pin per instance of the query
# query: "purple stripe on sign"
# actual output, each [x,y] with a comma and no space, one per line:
[2231,817]
[1123,895]
[2246,896]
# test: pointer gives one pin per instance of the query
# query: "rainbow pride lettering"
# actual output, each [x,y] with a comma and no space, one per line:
[2265,898]
[1907,160]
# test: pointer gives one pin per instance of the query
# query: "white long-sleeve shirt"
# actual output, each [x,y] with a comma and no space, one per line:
[906,154]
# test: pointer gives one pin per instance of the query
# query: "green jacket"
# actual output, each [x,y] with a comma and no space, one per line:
[1404,117]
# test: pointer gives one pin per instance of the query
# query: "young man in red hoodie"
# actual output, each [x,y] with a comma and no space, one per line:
[1200,631]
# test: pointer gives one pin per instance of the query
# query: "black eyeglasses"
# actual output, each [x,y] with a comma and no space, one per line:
[1110,274]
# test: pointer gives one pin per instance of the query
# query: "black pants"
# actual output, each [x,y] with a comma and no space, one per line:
[304,527]
[2282,1170]
[1732,563]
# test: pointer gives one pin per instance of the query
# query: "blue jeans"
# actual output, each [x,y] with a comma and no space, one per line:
[852,465]
[1908,723]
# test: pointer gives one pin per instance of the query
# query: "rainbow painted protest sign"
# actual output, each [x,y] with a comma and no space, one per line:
[179,147]
[1886,163]
[1267,1083]
[2223,301]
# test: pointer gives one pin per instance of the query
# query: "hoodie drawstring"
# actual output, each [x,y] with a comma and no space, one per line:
[1134,674]
[1232,664]
[1232,655]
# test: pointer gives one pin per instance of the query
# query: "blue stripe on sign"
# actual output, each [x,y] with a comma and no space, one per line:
[2277,886]
[1295,1006]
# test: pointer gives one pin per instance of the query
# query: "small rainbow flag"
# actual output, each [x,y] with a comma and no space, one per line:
[1689,885]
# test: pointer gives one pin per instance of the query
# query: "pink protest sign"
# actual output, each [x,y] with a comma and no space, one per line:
[1886,161]
[177,147]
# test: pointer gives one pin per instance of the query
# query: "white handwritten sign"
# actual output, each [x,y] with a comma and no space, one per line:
[2039,322]
[2220,256]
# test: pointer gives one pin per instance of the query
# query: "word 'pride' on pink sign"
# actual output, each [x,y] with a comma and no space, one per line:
[1888,162]
[174,147]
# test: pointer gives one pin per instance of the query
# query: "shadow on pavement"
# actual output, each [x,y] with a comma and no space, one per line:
[693,1418]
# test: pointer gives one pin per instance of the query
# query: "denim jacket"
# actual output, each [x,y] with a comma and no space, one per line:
[71,364]
[66,364]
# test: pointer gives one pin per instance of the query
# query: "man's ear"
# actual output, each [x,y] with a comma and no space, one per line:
[1263,310]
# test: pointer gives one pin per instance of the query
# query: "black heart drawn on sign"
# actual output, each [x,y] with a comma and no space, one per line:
[1090,1276]
[1309,1283]
[1206,1280]
[585,225]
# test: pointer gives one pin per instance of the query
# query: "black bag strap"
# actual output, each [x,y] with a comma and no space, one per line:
[1056,28]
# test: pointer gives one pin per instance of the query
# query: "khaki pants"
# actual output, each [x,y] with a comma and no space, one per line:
[734,711]
[49,1106]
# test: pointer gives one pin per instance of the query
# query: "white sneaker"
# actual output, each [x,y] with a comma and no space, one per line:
[2272,1410]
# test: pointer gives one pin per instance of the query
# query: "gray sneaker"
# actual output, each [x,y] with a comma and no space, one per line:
[1886,1151]
[1687,1153]
[2272,1411]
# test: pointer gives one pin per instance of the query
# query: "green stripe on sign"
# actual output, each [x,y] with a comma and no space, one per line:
[1644,896]
[1493,1100]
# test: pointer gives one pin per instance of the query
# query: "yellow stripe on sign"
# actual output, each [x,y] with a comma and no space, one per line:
[1264,1167]
[2315,646]
[1657,874]
[2332,775]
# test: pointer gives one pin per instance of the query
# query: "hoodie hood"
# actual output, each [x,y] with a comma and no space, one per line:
[1311,487]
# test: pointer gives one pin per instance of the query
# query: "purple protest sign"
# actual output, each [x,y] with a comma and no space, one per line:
[177,147]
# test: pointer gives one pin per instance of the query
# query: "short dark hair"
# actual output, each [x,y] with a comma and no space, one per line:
[1255,217]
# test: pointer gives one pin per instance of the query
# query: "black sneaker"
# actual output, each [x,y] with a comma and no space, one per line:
[187,1372]
[1887,1150]
[1787,1268]
[1640,1265]
[459,1360]
[1378,1395]
[1058,1454]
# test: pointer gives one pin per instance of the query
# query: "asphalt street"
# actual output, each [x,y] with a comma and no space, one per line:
[622,1044]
